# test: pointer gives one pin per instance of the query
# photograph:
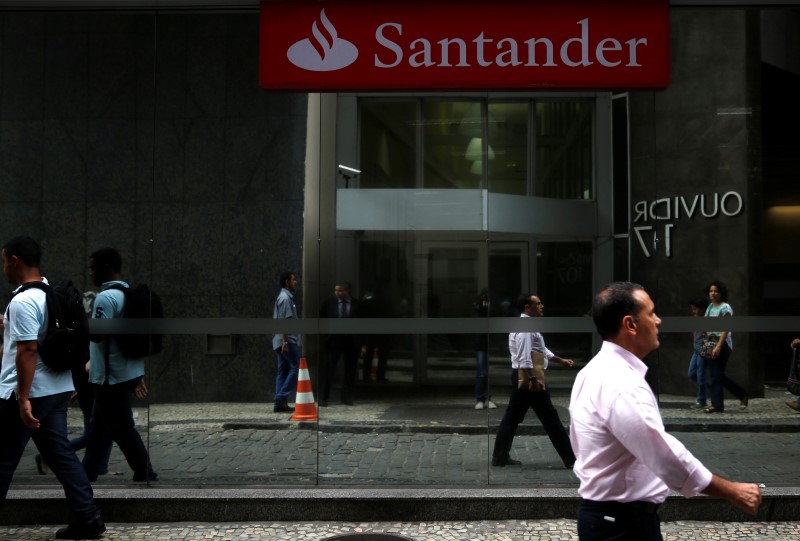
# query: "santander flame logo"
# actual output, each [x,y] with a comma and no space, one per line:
[326,52]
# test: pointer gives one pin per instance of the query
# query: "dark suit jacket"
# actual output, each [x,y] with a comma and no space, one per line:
[341,341]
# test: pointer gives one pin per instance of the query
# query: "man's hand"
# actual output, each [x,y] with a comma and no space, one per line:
[744,496]
[747,497]
[567,362]
[26,414]
[141,390]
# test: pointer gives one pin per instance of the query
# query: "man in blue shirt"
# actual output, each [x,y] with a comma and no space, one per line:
[114,378]
[286,346]
[34,398]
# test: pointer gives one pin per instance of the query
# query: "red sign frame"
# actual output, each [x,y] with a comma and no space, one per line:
[357,45]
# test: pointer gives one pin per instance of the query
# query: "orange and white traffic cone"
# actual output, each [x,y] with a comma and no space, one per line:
[304,407]
[373,372]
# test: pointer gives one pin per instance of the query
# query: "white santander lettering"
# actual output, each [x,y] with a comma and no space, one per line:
[531,43]
[423,57]
[389,44]
[584,44]
[511,53]
[462,52]
[508,52]
[602,48]
[480,41]
[632,44]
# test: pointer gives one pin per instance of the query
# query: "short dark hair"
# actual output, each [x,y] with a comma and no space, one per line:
[723,290]
[344,284]
[285,277]
[25,249]
[699,302]
[523,300]
[107,257]
[612,304]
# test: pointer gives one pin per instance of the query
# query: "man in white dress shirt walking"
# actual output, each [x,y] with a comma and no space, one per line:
[626,462]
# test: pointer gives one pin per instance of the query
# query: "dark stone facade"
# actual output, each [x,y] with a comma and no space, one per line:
[149,133]
[701,136]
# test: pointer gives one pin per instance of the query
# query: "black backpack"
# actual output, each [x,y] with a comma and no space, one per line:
[140,303]
[65,345]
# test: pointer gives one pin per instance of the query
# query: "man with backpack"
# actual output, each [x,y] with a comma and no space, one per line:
[33,397]
[114,376]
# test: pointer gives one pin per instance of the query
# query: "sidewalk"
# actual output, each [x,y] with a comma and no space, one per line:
[508,530]
[394,457]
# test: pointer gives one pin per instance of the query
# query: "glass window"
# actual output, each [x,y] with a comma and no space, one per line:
[388,144]
[564,149]
[452,144]
[478,143]
[508,147]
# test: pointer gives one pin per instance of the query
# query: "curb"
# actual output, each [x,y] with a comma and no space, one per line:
[167,505]
[528,429]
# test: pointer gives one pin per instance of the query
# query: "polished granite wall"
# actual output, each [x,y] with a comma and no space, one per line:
[149,133]
[701,136]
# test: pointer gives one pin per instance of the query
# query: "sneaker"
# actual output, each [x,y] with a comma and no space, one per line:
[478,405]
[91,529]
[794,405]
[698,406]
[491,405]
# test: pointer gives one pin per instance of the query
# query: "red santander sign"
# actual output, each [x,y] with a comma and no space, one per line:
[356,45]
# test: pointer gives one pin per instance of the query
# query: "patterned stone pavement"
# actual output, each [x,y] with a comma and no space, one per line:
[509,530]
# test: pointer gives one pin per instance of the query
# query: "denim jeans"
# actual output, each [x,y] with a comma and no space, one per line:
[113,421]
[481,376]
[86,403]
[697,373]
[286,377]
[51,441]
[720,381]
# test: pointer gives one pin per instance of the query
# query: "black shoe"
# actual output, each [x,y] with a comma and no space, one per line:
[569,464]
[323,403]
[282,408]
[141,478]
[507,462]
[41,465]
[92,529]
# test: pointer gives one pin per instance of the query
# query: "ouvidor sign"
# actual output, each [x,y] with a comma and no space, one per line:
[361,45]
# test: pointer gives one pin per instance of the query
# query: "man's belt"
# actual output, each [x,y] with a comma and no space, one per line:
[641,508]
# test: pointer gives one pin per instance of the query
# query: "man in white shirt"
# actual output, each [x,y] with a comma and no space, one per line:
[626,462]
[523,346]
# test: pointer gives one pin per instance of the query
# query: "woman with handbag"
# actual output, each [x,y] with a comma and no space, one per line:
[718,346]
